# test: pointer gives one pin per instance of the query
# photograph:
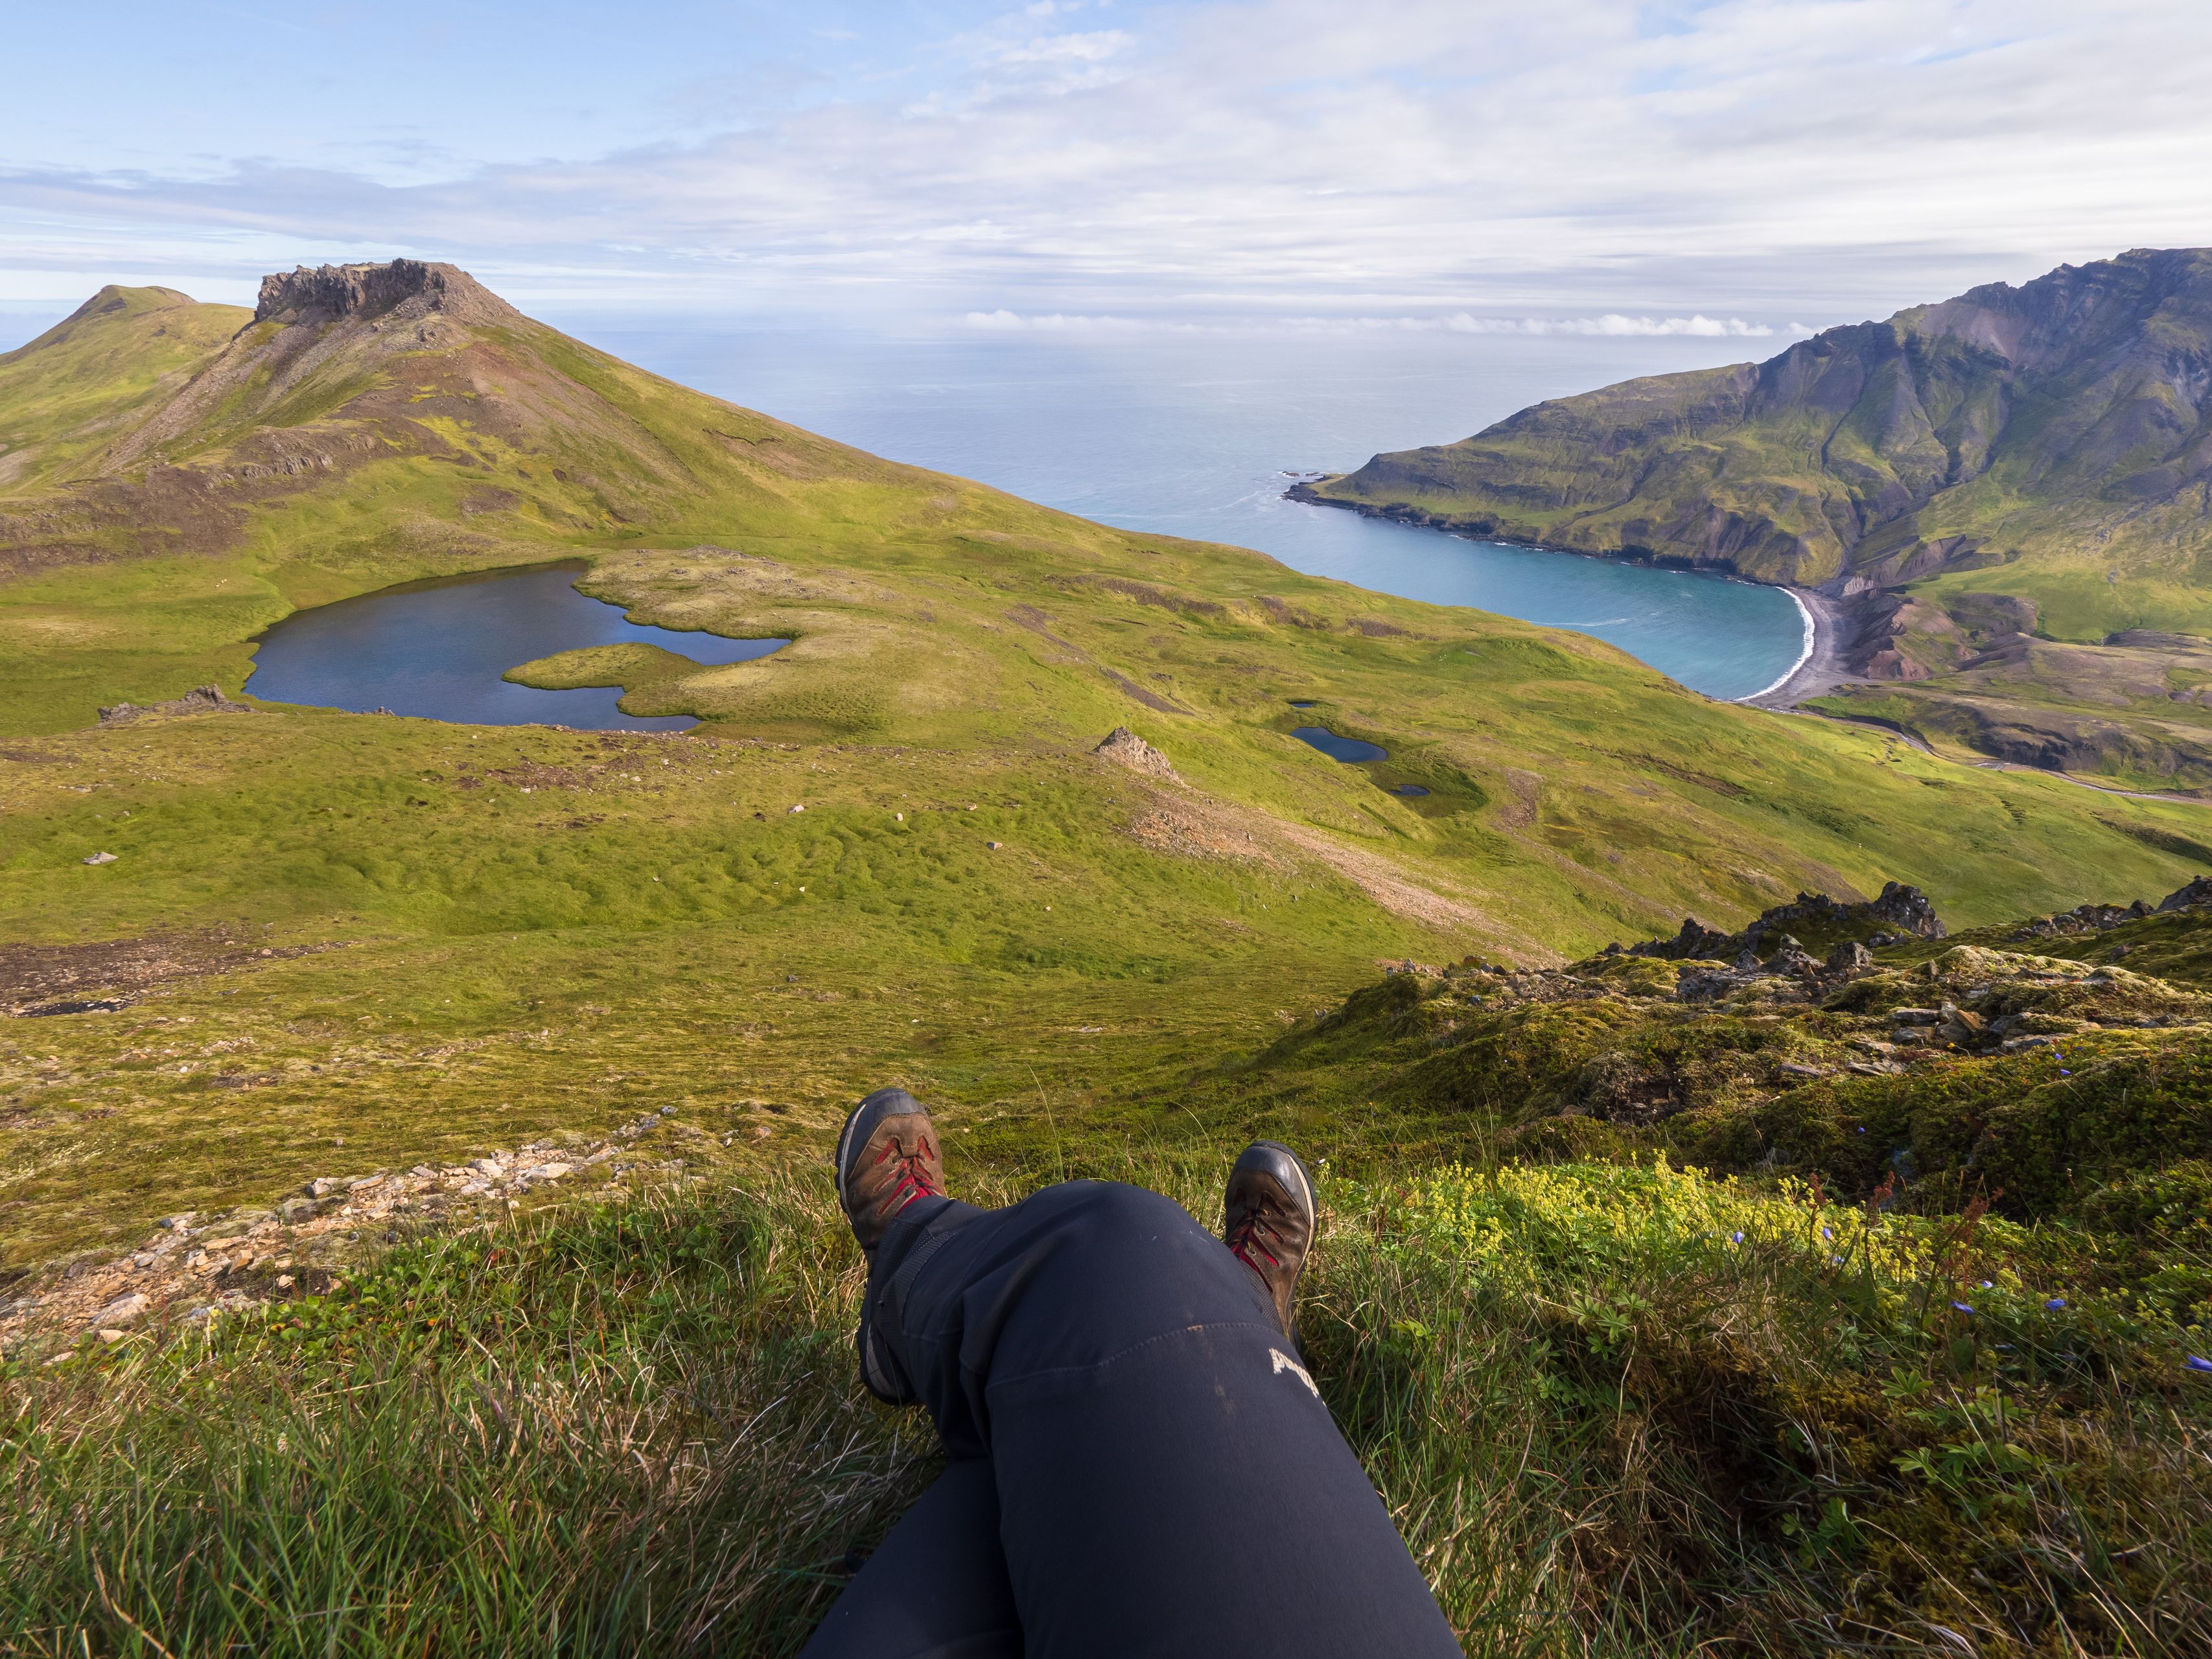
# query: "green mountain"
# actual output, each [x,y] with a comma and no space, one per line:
[2016,463]
[2062,430]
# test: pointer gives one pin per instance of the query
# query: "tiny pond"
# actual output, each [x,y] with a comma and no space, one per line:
[1355,752]
[436,650]
[1351,750]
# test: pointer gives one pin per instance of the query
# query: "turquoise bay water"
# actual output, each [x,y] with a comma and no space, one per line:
[1197,435]
[436,650]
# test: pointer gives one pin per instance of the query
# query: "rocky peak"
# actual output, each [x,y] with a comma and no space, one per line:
[410,288]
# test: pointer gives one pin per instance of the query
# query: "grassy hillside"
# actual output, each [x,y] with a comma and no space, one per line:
[2056,430]
[1933,1372]
[66,396]
[472,1406]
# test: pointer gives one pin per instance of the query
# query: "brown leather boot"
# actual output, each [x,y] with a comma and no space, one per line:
[1268,1219]
[887,1158]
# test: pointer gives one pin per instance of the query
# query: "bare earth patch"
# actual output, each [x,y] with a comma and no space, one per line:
[34,977]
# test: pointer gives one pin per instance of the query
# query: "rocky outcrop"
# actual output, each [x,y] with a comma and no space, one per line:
[2198,891]
[1124,748]
[1900,911]
[1695,943]
[411,287]
[2081,920]
[200,700]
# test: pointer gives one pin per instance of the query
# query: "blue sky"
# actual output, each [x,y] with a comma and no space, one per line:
[1469,165]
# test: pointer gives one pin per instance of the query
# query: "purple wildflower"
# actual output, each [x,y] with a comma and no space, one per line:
[1987,1286]
[2056,1303]
[2062,1072]
[1735,1239]
[1962,1307]
[1827,1232]
[2196,1362]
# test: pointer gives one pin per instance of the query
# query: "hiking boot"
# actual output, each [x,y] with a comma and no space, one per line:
[1267,1220]
[886,1158]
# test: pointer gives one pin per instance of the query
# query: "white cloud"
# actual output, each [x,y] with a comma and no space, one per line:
[1094,47]
[1566,169]
[1613,326]
[1610,326]
[1003,321]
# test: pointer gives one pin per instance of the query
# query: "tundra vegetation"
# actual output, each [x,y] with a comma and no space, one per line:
[414,1230]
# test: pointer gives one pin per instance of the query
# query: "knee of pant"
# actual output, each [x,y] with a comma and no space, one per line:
[1110,1211]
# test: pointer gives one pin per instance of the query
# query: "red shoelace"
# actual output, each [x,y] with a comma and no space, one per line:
[1246,1240]
[913,1181]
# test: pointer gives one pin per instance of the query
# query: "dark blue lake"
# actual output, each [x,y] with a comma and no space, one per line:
[436,649]
[1351,750]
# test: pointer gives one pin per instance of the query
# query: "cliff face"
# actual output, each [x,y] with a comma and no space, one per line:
[409,286]
[2008,423]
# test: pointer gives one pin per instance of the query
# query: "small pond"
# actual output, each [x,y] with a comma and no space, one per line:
[436,650]
[1409,789]
[1351,750]
[1307,702]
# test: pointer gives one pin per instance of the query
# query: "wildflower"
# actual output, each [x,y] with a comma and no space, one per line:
[2196,1362]
[1964,1308]
[2056,1303]
[2063,1072]
[1987,1286]
[1735,1239]
[1827,1232]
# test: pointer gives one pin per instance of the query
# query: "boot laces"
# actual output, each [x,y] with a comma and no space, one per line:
[912,1177]
[1244,1243]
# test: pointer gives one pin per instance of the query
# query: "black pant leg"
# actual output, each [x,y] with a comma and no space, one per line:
[936,1588]
[1170,1484]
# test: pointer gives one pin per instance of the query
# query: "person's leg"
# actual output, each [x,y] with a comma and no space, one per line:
[1169,1482]
[936,1588]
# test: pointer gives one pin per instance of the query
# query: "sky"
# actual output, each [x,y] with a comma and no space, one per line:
[1469,166]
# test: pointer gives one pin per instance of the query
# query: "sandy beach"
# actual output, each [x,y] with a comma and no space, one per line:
[1822,669]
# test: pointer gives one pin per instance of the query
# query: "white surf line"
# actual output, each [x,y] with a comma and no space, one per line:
[1805,613]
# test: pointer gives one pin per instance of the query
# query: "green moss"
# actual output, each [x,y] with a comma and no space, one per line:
[601,664]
